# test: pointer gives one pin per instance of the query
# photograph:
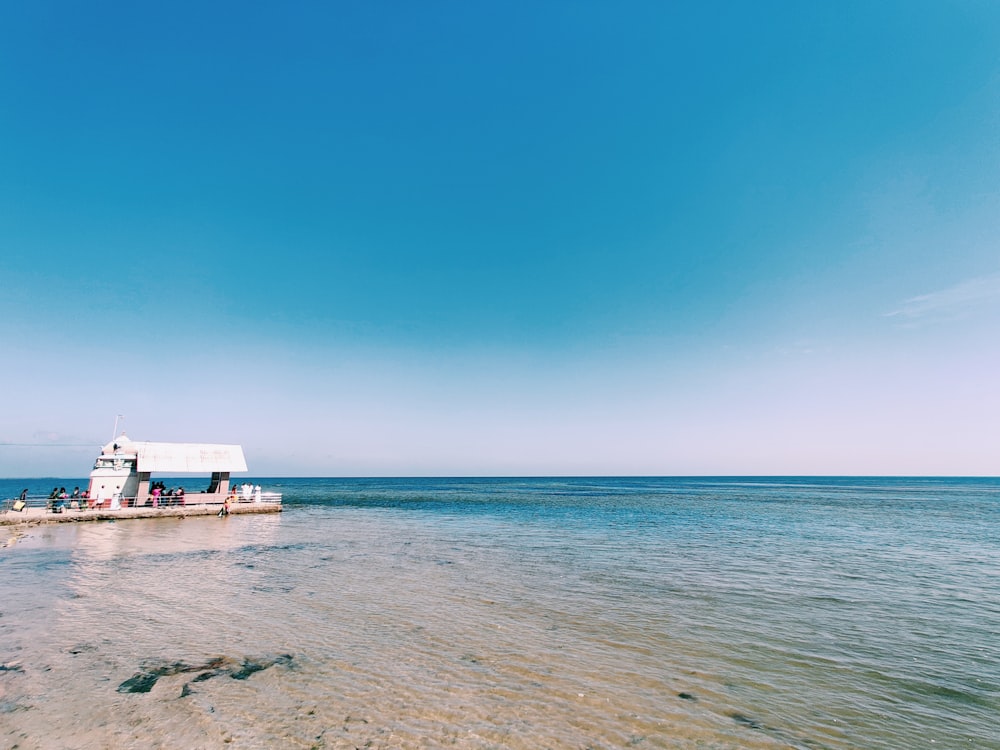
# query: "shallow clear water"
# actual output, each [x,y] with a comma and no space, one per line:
[681,613]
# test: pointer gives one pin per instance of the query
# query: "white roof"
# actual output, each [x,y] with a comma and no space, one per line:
[191,458]
[195,458]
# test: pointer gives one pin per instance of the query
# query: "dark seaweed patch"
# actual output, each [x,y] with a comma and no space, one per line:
[81,648]
[745,721]
[206,676]
[284,589]
[140,682]
[248,668]
[143,681]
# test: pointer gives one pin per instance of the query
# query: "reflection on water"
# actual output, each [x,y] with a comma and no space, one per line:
[506,614]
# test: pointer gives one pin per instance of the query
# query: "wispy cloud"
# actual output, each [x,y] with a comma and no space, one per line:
[953,300]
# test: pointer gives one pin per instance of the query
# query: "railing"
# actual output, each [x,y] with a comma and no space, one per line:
[60,504]
[29,502]
[65,505]
[263,497]
[43,502]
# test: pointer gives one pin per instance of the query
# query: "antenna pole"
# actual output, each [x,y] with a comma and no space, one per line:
[115,433]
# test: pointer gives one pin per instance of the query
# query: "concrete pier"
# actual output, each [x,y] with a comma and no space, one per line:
[38,516]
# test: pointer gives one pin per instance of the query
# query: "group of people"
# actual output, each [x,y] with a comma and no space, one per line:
[59,493]
[161,495]
[58,498]
[246,493]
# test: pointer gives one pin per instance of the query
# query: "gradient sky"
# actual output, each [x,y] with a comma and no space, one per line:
[478,238]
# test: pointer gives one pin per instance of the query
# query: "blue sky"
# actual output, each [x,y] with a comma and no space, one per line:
[447,238]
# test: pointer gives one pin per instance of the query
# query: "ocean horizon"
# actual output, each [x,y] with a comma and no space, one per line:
[481,612]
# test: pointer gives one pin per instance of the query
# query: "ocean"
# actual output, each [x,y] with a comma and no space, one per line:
[813,613]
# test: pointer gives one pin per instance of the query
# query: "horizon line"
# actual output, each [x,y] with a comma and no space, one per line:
[568,476]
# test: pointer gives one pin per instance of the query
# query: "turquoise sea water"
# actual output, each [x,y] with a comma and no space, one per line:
[585,612]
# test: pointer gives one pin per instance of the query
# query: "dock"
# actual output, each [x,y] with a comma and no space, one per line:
[121,487]
[33,516]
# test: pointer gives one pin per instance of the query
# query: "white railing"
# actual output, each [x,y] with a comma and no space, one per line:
[269,497]
[66,505]
[43,502]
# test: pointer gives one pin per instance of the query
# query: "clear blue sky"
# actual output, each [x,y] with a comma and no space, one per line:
[453,238]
